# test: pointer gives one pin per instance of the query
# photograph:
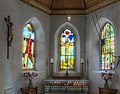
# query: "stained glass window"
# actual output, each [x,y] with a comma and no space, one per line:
[107,47]
[67,49]
[28,40]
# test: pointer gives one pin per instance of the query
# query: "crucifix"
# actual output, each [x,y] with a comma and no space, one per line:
[9,33]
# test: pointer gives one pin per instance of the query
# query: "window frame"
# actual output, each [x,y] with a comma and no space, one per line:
[56,70]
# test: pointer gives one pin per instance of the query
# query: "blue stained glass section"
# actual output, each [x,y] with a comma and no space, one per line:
[71,38]
[63,36]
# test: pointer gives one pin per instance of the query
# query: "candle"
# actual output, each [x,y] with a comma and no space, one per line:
[51,60]
[82,60]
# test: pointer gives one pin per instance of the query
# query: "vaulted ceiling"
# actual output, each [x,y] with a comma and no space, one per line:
[65,7]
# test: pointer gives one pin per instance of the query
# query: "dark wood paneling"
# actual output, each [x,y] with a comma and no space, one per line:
[46,3]
[68,4]
[90,3]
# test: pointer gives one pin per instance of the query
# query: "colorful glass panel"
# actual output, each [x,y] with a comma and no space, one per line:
[108,47]
[28,47]
[67,49]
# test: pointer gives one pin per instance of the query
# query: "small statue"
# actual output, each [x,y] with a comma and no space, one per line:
[10,30]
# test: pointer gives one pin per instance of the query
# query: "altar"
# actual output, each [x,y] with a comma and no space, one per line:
[66,86]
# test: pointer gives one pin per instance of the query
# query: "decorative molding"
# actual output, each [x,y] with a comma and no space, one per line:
[68,12]
[37,5]
[85,10]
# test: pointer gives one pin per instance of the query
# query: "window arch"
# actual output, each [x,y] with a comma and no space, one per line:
[75,69]
[107,47]
[67,49]
[28,41]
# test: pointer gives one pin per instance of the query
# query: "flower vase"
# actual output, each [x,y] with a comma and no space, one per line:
[30,85]
[106,85]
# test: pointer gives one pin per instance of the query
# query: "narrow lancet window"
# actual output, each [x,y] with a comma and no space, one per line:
[67,49]
[28,41]
[108,47]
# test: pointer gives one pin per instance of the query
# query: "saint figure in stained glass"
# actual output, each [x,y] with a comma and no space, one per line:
[28,47]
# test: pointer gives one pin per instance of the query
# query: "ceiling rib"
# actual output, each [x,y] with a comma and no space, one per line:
[67,12]
[83,4]
[53,3]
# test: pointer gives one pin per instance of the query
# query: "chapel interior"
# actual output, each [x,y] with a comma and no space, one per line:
[60,47]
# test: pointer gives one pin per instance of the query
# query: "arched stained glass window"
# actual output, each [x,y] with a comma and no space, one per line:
[107,47]
[28,40]
[67,51]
